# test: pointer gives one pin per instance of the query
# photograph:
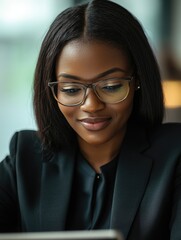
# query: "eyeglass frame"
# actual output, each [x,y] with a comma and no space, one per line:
[86,86]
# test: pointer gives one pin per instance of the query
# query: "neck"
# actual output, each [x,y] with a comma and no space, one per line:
[99,155]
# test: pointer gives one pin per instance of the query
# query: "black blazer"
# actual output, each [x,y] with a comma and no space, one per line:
[35,187]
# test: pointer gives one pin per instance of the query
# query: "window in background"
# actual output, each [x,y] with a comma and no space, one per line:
[23,26]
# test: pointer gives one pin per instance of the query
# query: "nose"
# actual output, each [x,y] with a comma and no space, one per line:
[92,103]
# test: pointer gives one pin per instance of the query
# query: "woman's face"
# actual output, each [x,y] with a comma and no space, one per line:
[94,121]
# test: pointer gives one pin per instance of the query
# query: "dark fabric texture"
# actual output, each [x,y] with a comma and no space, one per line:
[91,199]
[36,187]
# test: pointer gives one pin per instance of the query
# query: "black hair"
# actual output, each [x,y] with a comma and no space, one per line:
[108,22]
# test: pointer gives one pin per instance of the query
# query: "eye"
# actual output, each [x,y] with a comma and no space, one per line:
[71,90]
[112,87]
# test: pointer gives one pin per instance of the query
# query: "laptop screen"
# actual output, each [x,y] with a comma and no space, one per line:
[65,235]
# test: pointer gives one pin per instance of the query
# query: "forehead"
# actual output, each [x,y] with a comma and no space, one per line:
[88,59]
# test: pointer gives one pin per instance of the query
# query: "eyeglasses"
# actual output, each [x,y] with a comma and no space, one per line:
[112,90]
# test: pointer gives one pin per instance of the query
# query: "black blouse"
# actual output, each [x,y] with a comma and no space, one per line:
[91,200]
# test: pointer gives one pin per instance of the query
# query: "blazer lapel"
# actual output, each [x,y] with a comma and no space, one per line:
[131,179]
[132,175]
[57,176]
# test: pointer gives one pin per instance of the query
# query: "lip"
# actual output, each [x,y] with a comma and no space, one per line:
[95,124]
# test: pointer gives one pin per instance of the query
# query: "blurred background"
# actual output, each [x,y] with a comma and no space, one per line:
[23,25]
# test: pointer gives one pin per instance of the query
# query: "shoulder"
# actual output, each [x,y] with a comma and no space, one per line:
[27,135]
[166,140]
[26,148]
[168,132]
[24,142]
[171,127]
[24,154]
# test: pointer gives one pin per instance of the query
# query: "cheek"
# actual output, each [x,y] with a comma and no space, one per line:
[123,109]
[68,112]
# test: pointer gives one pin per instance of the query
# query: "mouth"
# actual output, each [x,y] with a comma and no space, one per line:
[95,124]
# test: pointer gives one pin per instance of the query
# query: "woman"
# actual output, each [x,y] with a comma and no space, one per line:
[101,158]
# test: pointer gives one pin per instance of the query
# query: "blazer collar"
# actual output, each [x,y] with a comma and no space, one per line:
[132,175]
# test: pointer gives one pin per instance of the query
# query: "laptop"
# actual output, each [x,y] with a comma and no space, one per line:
[65,235]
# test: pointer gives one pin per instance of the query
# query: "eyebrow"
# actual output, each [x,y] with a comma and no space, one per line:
[100,75]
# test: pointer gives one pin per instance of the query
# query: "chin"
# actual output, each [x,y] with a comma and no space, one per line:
[95,140]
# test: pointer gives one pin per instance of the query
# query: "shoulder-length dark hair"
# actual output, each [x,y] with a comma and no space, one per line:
[97,20]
